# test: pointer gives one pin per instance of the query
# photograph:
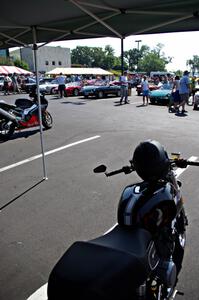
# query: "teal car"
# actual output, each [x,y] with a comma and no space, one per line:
[162,95]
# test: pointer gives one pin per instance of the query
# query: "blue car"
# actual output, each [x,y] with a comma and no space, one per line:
[162,95]
[100,91]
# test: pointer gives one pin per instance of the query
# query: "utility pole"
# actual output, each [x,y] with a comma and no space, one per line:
[138,47]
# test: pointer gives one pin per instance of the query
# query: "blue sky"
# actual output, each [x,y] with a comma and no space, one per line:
[181,46]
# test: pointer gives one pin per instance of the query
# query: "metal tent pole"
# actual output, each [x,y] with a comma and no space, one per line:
[35,48]
[122,56]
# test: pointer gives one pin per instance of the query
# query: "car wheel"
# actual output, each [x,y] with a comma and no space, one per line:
[76,92]
[47,120]
[53,91]
[100,95]
[152,101]
[7,128]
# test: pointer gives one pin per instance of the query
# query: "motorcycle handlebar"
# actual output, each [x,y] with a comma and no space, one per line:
[125,170]
[183,163]
[180,163]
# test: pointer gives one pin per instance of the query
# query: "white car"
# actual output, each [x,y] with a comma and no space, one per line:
[1,82]
[196,101]
[48,87]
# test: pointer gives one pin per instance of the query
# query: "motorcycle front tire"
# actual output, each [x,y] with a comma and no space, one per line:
[47,120]
[7,129]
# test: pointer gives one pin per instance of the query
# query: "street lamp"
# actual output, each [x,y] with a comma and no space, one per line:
[138,44]
[138,47]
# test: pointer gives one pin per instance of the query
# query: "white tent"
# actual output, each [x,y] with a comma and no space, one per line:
[13,69]
[79,71]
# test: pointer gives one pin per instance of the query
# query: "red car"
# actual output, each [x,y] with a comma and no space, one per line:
[71,89]
[152,87]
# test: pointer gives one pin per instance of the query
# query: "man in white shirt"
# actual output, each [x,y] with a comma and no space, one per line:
[124,88]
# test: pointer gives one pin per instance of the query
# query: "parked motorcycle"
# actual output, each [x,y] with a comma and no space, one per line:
[23,114]
[141,257]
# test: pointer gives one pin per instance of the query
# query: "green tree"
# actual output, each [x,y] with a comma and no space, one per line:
[145,59]
[193,63]
[151,62]
[21,64]
[133,56]
[109,58]
[81,55]
[93,56]
[179,73]
[98,57]
[154,60]
[4,61]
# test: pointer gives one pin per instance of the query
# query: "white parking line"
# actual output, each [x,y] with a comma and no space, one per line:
[41,293]
[22,162]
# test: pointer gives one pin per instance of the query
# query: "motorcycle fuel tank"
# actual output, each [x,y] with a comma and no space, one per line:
[148,206]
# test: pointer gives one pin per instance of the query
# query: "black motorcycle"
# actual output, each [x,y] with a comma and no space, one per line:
[141,257]
[23,114]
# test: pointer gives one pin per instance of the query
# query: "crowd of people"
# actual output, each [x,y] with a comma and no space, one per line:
[12,83]
[181,88]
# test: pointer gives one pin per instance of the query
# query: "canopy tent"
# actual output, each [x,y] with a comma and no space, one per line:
[79,71]
[12,69]
[76,19]
[25,22]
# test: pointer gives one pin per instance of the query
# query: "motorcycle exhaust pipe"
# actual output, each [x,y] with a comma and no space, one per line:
[8,116]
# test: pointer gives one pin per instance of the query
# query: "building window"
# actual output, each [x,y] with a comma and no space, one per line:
[60,63]
[53,63]
[47,63]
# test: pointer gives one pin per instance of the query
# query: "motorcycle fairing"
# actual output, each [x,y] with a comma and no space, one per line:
[141,200]
[111,266]
[31,122]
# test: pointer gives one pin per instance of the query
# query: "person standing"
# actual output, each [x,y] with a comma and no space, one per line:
[175,96]
[61,79]
[184,90]
[124,88]
[14,83]
[6,84]
[145,90]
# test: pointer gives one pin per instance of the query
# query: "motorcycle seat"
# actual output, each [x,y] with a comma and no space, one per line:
[108,267]
[6,106]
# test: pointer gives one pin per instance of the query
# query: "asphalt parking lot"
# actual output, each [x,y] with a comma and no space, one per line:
[39,219]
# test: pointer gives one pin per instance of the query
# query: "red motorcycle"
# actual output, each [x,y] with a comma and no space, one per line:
[22,115]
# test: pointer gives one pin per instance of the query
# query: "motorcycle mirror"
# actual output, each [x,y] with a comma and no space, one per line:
[100,169]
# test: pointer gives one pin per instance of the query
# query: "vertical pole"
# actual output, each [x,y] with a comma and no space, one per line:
[138,47]
[122,55]
[35,48]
